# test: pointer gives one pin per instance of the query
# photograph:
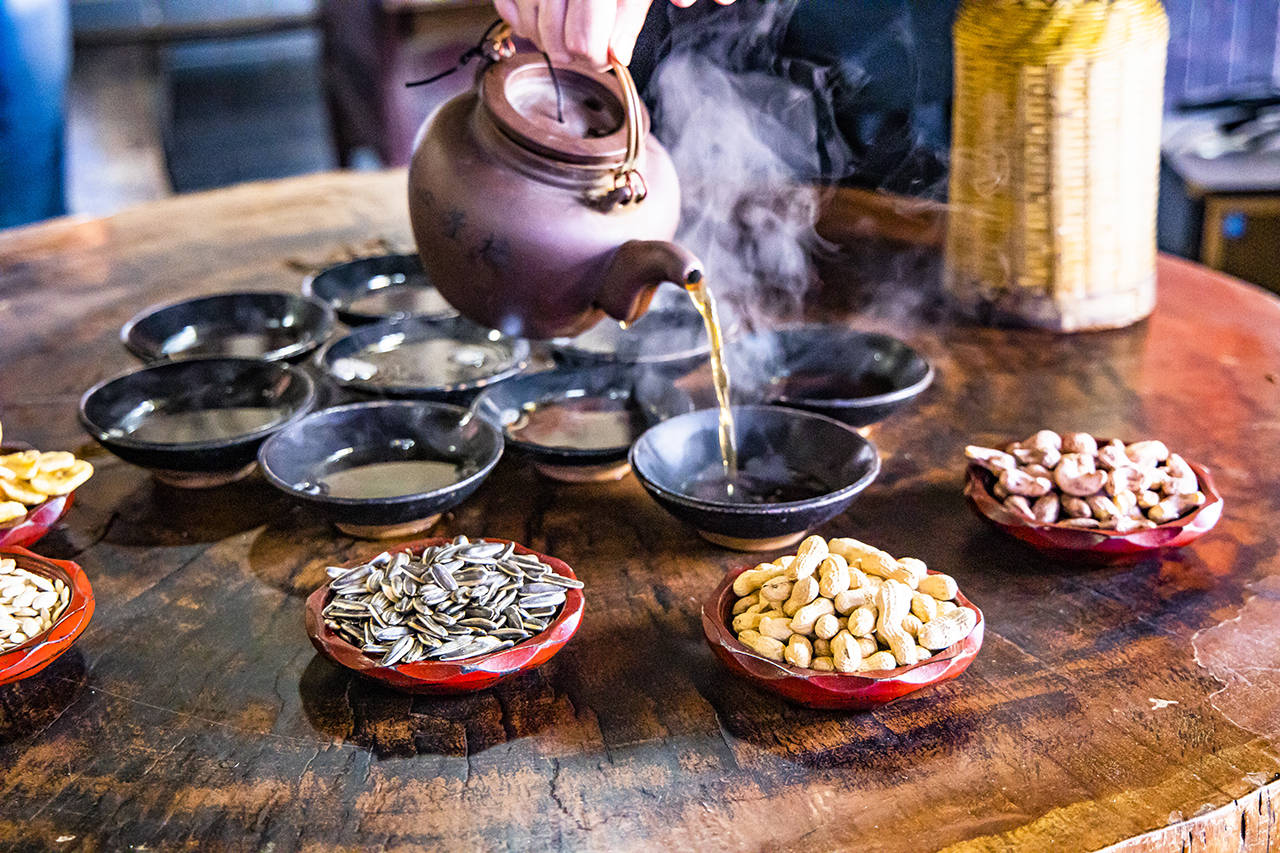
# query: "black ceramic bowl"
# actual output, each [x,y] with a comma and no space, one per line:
[575,425]
[199,422]
[450,359]
[855,377]
[671,339]
[385,468]
[382,287]
[266,325]
[810,466]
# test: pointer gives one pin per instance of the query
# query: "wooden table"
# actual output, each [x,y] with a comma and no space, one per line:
[1107,704]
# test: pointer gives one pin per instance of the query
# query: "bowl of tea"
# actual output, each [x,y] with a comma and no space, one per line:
[449,359]
[855,377]
[574,425]
[196,423]
[666,338]
[380,287]
[273,326]
[782,472]
[383,469]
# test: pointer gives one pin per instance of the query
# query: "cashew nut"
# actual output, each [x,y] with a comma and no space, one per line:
[1020,483]
[1046,508]
[1080,442]
[1076,475]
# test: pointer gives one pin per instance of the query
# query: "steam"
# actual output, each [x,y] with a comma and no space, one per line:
[749,146]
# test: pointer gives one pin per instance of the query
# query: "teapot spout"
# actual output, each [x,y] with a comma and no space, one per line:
[636,270]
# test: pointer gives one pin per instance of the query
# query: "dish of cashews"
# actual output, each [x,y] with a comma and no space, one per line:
[1075,480]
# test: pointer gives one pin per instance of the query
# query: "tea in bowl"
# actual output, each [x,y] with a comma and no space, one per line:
[855,377]
[796,470]
[383,469]
[196,423]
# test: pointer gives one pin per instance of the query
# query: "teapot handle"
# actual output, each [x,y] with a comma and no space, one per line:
[629,186]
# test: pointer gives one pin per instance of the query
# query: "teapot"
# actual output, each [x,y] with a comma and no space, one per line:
[540,202]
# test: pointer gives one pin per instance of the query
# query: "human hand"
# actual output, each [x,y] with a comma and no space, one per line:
[581,29]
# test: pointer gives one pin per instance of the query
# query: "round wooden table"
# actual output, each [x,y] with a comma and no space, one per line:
[1134,705]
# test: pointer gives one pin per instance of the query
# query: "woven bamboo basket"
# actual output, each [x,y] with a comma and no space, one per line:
[1055,160]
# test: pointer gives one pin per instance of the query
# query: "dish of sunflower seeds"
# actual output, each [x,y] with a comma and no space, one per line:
[453,601]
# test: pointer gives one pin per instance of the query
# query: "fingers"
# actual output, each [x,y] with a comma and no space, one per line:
[626,29]
[525,24]
[507,11]
[588,27]
[551,21]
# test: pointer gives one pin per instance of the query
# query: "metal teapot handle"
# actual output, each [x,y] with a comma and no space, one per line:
[629,186]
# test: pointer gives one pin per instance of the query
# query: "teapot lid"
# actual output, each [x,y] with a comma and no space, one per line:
[519,92]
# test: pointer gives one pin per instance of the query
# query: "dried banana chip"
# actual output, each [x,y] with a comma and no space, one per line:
[65,481]
[23,464]
[21,491]
[54,460]
[7,473]
[9,510]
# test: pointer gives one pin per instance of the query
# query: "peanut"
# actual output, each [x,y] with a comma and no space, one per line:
[924,606]
[777,589]
[834,576]
[749,618]
[752,579]
[872,561]
[823,664]
[845,653]
[948,628]
[862,621]
[802,621]
[821,647]
[867,646]
[748,637]
[916,567]
[811,553]
[799,651]
[849,600]
[767,646]
[911,624]
[777,627]
[878,662]
[827,626]
[940,586]
[893,602]
[744,603]
[802,592]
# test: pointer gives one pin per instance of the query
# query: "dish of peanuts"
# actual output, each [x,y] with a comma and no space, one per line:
[846,606]
[30,477]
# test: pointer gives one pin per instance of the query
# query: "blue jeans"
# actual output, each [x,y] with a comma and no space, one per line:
[35,58]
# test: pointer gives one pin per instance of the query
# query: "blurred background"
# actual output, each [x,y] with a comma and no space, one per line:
[107,103]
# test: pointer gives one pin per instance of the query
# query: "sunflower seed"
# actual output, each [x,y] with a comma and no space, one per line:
[561,580]
[399,650]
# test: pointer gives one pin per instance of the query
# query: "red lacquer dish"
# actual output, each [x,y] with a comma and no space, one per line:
[463,676]
[29,529]
[43,649]
[849,691]
[1095,546]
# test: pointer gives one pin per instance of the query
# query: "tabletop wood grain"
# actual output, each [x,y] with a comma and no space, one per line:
[1133,706]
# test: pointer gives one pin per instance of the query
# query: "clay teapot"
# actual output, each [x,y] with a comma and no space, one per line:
[540,202]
